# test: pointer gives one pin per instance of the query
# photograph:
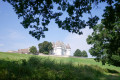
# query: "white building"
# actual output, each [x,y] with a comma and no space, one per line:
[59,48]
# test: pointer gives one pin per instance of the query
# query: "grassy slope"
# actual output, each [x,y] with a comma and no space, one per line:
[86,61]
[75,61]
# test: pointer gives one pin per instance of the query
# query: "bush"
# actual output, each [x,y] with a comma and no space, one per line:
[46,52]
[115,60]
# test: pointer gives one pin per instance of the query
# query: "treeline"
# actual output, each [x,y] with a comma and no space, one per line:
[80,53]
[44,48]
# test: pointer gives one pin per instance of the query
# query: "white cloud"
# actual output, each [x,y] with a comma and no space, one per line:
[79,41]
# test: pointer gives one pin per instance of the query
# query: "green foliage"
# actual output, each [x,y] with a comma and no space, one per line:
[80,54]
[77,53]
[106,36]
[115,60]
[45,47]
[84,53]
[106,43]
[33,50]
[46,52]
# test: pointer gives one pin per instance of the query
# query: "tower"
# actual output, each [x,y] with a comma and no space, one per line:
[68,50]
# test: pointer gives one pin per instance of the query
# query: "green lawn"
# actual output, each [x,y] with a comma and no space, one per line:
[26,67]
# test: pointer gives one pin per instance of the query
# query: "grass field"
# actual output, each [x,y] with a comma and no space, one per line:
[32,67]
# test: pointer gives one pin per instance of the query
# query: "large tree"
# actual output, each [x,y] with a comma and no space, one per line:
[45,47]
[37,14]
[33,50]
[106,44]
[106,36]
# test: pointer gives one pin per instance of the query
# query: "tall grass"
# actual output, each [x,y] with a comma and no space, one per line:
[28,67]
[37,68]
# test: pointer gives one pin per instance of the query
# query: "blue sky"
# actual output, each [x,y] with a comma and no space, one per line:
[13,36]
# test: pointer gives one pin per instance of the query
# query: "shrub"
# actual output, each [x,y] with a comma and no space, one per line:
[45,52]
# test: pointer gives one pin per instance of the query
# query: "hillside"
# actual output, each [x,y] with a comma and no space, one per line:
[25,67]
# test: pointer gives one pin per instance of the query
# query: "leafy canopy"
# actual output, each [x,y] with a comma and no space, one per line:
[106,36]
[37,14]
[106,44]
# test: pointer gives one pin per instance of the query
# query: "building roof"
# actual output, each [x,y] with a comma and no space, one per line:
[68,46]
[61,44]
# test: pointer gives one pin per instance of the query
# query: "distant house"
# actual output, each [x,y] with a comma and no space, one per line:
[59,48]
[24,51]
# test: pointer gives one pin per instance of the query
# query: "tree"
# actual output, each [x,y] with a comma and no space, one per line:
[106,44]
[77,53]
[37,14]
[33,50]
[80,54]
[45,47]
[106,37]
[84,53]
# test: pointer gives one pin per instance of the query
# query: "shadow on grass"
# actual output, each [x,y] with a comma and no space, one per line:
[112,77]
[37,68]
[112,71]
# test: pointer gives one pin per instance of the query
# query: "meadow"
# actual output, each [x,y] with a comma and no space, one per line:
[14,66]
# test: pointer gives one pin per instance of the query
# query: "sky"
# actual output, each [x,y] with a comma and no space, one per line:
[13,36]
